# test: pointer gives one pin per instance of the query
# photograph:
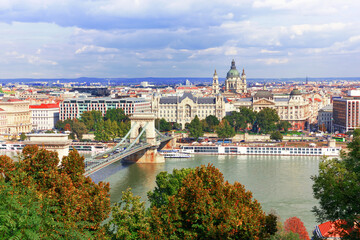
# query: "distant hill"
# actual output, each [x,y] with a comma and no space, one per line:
[162,81]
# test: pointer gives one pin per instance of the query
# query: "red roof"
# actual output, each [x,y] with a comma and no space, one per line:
[187,88]
[329,229]
[13,100]
[317,99]
[2,109]
[43,105]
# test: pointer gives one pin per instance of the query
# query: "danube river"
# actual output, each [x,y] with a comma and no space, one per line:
[281,184]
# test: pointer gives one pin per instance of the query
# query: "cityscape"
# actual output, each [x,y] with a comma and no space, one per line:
[117,122]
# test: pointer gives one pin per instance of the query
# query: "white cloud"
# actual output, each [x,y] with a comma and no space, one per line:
[313,28]
[95,49]
[273,61]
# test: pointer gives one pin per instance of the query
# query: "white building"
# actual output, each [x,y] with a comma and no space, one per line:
[44,116]
[73,108]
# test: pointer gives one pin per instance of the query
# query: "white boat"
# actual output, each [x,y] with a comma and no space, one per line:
[261,150]
[174,154]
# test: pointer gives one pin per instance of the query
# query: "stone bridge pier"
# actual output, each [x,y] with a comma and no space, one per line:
[139,121]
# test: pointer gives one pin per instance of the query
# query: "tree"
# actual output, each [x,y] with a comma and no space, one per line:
[206,207]
[164,125]
[236,120]
[284,126]
[176,126]
[212,122]
[79,129]
[100,133]
[72,205]
[22,136]
[67,127]
[267,119]
[276,136]
[195,128]
[124,128]
[249,114]
[166,186]
[337,188]
[224,130]
[129,219]
[117,115]
[295,225]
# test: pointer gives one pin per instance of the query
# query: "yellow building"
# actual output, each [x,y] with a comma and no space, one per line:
[293,107]
[17,116]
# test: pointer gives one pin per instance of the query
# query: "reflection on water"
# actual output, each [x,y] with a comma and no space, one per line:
[280,183]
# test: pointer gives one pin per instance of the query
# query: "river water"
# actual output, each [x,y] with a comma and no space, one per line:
[280,183]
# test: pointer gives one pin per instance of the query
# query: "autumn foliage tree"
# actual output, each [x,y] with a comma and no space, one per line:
[199,205]
[76,204]
[295,225]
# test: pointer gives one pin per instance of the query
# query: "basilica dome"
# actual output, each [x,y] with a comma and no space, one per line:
[233,72]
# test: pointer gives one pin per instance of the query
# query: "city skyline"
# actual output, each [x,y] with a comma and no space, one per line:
[269,38]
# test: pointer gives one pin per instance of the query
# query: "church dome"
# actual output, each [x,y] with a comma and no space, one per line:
[233,72]
[295,92]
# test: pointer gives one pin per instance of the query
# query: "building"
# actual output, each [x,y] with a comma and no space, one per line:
[95,91]
[325,116]
[73,108]
[3,121]
[215,84]
[44,116]
[346,114]
[183,109]
[17,114]
[293,107]
[234,82]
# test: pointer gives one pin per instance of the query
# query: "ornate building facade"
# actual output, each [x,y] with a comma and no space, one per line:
[234,82]
[183,109]
[293,108]
[17,116]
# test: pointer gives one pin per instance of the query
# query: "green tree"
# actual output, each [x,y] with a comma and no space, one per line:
[117,115]
[276,136]
[212,122]
[267,119]
[79,129]
[284,126]
[22,136]
[249,114]
[124,128]
[164,125]
[337,188]
[236,120]
[100,133]
[129,220]
[206,207]
[195,128]
[90,118]
[176,126]
[167,185]
[224,130]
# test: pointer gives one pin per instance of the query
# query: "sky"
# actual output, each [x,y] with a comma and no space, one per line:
[179,38]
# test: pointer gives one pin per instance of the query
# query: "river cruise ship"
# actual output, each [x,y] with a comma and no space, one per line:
[261,150]
[174,154]
[88,147]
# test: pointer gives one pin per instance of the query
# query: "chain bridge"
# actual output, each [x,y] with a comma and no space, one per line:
[139,145]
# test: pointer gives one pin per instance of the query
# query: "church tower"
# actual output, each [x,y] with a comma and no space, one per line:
[215,84]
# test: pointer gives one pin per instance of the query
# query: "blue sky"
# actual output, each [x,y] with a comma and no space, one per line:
[179,38]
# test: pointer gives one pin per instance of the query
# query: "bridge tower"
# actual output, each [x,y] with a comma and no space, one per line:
[139,122]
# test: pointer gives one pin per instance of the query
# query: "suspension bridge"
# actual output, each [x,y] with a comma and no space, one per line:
[140,144]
